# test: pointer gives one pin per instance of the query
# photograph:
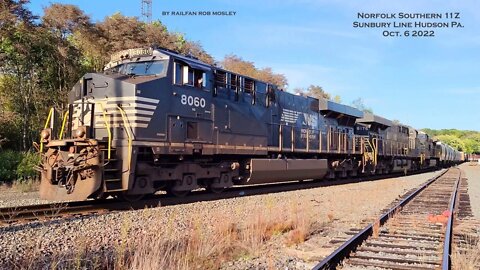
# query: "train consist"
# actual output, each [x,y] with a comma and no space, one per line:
[157,120]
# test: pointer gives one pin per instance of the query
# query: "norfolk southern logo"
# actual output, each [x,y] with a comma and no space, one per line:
[291,117]
[310,120]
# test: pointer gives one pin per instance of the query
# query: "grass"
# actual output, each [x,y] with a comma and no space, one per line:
[201,244]
[22,185]
[203,248]
[26,185]
[466,256]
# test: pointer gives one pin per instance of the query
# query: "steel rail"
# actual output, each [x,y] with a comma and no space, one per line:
[15,214]
[29,212]
[343,252]
[447,243]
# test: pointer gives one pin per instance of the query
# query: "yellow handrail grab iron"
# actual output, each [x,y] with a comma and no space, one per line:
[63,125]
[107,124]
[46,125]
[127,128]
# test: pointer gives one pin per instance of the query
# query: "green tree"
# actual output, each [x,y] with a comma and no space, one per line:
[467,140]
[317,91]
[452,140]
[337,99]
[42,59]
[21,51]
[236,64]
[76,36]
[359,104]
[313,91]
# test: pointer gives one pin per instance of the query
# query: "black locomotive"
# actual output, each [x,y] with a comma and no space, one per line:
[157,120]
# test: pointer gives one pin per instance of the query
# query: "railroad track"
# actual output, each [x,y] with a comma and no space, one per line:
[9,215]
[416,233]
[24,214]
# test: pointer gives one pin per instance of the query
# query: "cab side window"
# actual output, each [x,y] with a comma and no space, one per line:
[178,73]
[185,75]
[249,86]
[233,81]
[221,79]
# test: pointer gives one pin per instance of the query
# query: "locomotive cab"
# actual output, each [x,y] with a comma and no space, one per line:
[373,128]
[106,113]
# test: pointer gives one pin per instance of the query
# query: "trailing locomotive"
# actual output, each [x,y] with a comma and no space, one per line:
[157,120]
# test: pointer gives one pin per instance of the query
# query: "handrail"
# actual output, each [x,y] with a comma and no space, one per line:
[46,125]
[280,137]
[127,127]
[107,125]
[63,125]
[308,140]
[292,139]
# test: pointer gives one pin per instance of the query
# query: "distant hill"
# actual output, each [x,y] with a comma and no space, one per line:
[463,140]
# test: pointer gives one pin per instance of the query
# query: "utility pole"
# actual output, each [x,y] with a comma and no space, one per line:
[147,11]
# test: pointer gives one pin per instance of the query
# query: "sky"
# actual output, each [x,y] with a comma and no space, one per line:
[425,82]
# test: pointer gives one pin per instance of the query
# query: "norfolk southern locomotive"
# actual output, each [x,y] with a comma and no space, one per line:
[157,120]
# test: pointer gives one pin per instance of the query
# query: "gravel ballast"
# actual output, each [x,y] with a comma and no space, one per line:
[11,198]
[335,208]
[472,172]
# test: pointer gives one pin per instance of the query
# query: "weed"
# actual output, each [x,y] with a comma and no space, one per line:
[466,256]
[376,229]
[26,185]
[330,217]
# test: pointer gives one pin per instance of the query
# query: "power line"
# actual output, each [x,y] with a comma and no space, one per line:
[147,10]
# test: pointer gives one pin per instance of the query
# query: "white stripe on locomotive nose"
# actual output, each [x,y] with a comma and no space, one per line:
[131,98]
[131,105]
[129,118]
[139,125]
[128,112]
[124,105]
[113,99]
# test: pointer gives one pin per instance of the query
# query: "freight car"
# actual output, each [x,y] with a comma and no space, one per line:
[157,120]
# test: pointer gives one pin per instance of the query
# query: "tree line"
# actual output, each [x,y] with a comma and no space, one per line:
[467,141]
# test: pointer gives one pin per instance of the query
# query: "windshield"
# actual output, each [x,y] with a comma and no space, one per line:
[142,68]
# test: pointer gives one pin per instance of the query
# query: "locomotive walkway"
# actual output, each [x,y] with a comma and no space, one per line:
[417,233]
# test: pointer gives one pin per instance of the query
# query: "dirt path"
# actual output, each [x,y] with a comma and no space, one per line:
[473,174]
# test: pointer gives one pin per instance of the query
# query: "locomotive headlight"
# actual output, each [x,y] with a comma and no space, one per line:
[45,134]
[79,132]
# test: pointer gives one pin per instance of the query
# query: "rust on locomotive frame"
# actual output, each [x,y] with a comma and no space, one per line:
[157,120]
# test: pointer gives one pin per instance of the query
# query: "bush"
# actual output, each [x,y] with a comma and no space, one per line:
[25,169]
[17,165]
[9,161]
